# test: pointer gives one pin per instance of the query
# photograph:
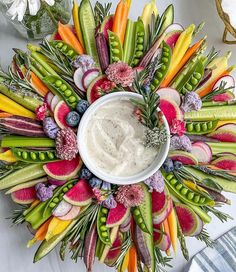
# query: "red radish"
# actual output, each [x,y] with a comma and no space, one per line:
[226,163]
[171,110]
[60,113]
[227,96]
[48,99]
[174,27]
[89,76]
[56,181]
[229,126]
[73,213]
[62,209]
[78,75]
[56,99]
[185,157]
[229,80]
[202,152]
[172,37]
[169,93]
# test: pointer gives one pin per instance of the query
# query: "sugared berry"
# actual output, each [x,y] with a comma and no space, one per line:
[178,165]
[86,173]
[168,165]
[72,119]
[95,182]
[82,106]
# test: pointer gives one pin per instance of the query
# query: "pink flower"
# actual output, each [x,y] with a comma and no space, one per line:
[130,195]
[41,111]
[177,127]
[98,194]
[120,73]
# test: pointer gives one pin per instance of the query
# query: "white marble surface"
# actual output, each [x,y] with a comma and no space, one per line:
[13,253]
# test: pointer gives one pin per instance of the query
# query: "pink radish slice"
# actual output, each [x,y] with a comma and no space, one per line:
[78,75]
[229,127]
[56,99]
[73,213]
[48,99]
[56,181]
[171,93]
[229,80]
[89,76]
[174,27]
[62,209]
[161,217]
[202,152]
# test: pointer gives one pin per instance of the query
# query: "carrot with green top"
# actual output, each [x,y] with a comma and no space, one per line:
[75,14]
[172,222]
[120,19]
[69,37]
[173,72]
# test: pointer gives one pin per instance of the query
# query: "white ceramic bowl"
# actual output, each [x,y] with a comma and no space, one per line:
[157,163]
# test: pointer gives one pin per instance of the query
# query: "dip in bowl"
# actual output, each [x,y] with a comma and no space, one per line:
[111,141]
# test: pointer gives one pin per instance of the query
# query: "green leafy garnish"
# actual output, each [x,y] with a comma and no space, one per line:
[101,11]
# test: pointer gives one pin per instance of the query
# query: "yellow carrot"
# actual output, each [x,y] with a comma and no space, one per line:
[173,72]
[194,186]
[133,260]
[123,267]
[56,227]
[38,84]
[75,14]
[129,2]
[69,37]
[172,223]
[120,19]
[10,106]
[8,156]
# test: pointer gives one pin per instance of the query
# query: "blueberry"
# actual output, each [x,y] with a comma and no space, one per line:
[86,173]
[95,182]
[168,165]
[178,165]
[82,106]
[72,119]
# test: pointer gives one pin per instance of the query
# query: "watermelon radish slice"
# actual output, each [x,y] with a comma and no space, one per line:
[125,226]
[78,75]
[62,209]
[158,232]
[171,110]
[89,76]
[172,37]
[157,219]
[63,170]
[72,214]
[169,93]
[56,99]
[174,27]
[226,163]
[184,157]
[190,222]
[117,216]
[80,194]
[48,99]
[223,135]
[229,127]
[106,25]
[60,113]
[229,80]
[227,96]
[202,152]
[24,196]
[164,242]
[56,181]
[115,251]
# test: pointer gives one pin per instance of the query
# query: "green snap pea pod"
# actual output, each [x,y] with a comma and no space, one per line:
[34,156]
[65,49]
[116,50]
[59,86]
[138,218]
[139,43]
[201,128]
[103,231]
[165,64]
[191,80]
[185,194]
[129,41]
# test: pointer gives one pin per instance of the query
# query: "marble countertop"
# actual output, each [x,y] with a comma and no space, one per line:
[13,252]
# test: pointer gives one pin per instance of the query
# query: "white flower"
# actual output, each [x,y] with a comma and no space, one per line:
[18,7]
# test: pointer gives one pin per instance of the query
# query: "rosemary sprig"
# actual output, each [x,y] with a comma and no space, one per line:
[205,237]
[161,260]
[101,11]
[7,169]
[17,216]
[124,249]
[211,56]
[223,217]
[219,90]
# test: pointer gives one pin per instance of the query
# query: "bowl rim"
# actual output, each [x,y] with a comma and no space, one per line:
[157,163]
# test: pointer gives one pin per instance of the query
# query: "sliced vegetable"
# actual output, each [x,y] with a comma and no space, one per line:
[20,141]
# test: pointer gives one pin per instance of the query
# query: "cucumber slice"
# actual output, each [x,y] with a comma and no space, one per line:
[129,41]
[168,18]
[88,27]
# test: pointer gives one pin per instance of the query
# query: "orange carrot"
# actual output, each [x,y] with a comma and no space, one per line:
[132,266]
[38,84]
[172,222]
[5,114]
[190,52]
[120,19]
[69,37]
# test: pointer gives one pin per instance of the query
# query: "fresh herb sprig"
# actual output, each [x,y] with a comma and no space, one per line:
[17,216]
[7,169]
[161,260]
[101,11]
[205,237]
[211,56]
[223,217]
[124,250]
[217,91]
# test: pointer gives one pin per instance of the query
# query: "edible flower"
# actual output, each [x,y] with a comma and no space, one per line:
[110,202]
[155,182]
[180,143]
[95,182]
[120,73]
[130,195]
[41,112]
[50,127]
[98,195]
[191,101]
[177,127]
[66,144]
[19,7]
[43,192]
[85,62]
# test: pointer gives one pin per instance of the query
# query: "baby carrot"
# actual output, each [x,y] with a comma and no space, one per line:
[38,85]
[172,222]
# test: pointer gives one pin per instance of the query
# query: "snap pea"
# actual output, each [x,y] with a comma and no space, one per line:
[65,49]
[164,66]
[103,231]
[116,50]
[139,43]
[201,128]
[34,156]
[59,86]
[138,217]
[184,193]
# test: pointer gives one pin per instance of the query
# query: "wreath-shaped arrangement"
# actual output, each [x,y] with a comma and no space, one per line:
[50,89]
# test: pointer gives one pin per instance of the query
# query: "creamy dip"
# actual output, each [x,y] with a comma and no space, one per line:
[114,140]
